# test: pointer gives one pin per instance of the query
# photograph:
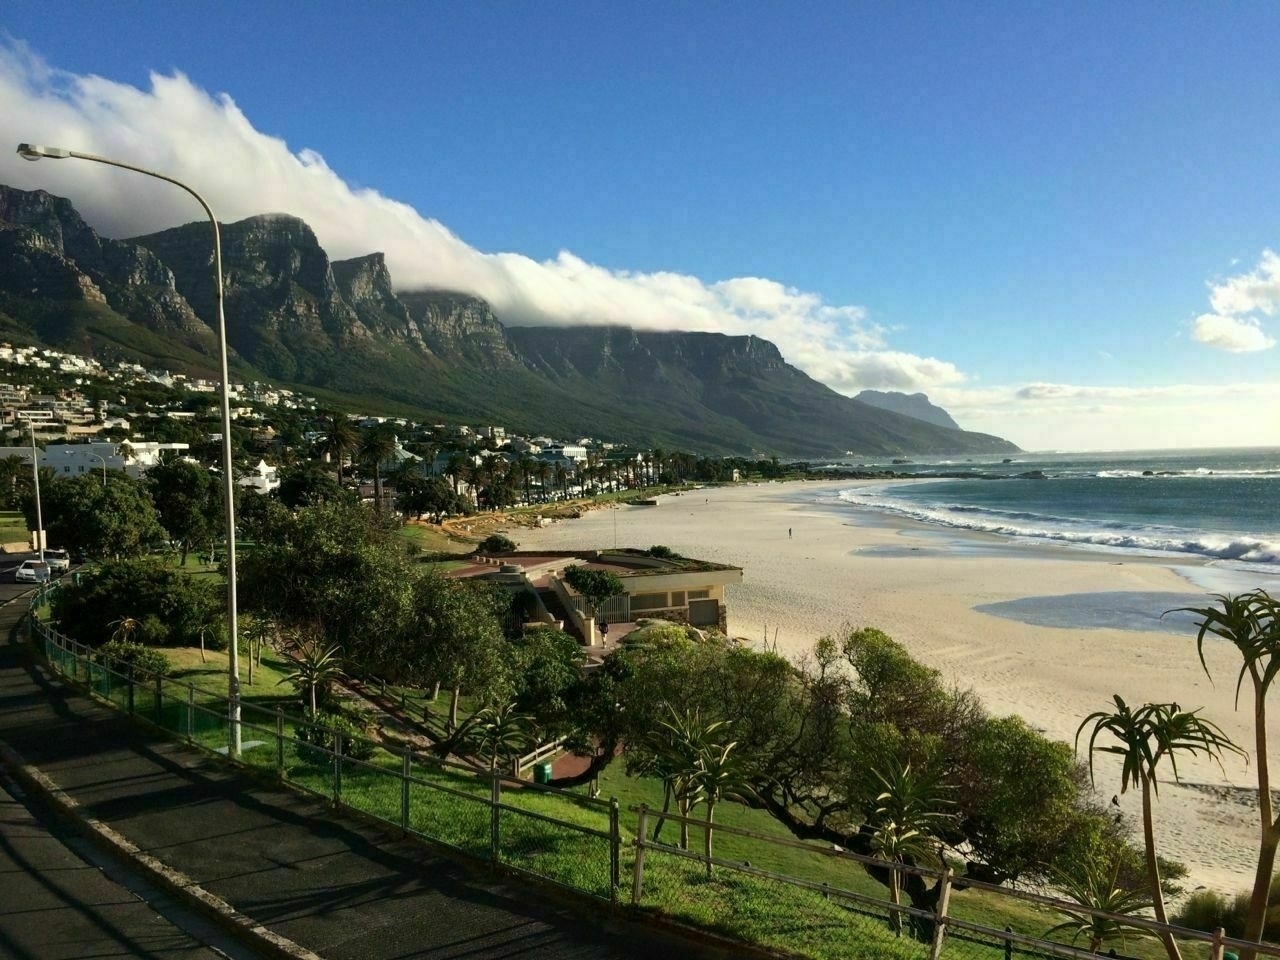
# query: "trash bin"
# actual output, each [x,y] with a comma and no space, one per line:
[542,773]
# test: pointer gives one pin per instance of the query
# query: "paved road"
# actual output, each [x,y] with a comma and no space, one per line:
[328,882]
[56,905]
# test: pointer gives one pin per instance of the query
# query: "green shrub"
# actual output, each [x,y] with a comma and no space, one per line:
[170,607]
[323,731]
[497,543]
[663,553]
[129,655]
[1207,910]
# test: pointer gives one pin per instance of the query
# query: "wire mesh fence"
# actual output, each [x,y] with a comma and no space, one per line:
[803,898]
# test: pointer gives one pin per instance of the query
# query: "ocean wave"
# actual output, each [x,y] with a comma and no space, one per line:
[1109,534]
[1198,474]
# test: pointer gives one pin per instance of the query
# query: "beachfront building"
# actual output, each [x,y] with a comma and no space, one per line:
[680,589]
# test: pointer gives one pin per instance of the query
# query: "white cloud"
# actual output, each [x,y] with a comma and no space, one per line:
[1255,292]
[207,141]
[1234,334]
[1235,324]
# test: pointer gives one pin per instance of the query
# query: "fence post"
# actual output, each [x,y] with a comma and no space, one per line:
[637,879]
[1008,944]
[406,771]
[130,690]
[1219,948]
[940,915]
[159,701]
[191,712]
[495,798]
[337,767]
[615,852]
[279,742]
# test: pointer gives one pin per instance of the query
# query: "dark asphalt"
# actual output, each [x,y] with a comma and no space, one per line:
[55,905]
[330,883]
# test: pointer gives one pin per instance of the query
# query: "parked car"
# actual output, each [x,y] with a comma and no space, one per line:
[58,560]
[31,571]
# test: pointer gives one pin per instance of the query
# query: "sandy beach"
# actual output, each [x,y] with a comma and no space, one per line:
[923,585]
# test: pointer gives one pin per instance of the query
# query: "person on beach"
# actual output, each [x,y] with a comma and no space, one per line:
[788,533]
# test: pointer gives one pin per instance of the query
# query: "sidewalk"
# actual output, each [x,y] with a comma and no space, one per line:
[330,883]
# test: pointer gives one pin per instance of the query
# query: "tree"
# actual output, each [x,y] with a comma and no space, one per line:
[596,586]
[721,774]
[164,607]
[13,472]
[909,814]
[1147,736]
[341,441]
[1251,623]
[459,643]
[546,671]
[500,732]
[114,521]
[316,666]
[308,484]
[188,500]
[1099,890]
[377,447]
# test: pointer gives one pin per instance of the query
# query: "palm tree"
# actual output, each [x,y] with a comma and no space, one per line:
[500,732]
[542,470]
[674,749]
[377,448]
[722,774]
[456,467]
[1251,622]
[1147,736]
[341,441]
[910,811]
[562,481]
[1099,891]
[316,666]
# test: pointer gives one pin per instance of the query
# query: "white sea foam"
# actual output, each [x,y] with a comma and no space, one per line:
[1115,535]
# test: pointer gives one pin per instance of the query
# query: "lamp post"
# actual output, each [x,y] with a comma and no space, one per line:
[35,476]
[31,151]
[104,466]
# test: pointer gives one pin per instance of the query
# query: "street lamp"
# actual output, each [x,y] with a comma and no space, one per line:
[30,151]
[35,476]
[104,465]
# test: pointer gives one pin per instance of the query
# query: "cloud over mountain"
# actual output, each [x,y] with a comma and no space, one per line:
[207,141]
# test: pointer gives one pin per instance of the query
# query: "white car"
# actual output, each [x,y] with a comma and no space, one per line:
[31,571]
[59,561]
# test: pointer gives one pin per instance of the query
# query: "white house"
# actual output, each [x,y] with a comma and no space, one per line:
[263,478]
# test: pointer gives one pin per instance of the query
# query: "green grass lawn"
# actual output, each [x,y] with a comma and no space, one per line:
[13,527]
[432,540]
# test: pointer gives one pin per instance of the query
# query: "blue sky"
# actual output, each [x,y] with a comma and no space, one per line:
[1026,211]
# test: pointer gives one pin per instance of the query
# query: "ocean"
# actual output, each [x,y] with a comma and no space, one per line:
[1218,510]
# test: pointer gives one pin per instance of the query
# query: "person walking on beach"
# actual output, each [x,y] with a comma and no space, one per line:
[788,533]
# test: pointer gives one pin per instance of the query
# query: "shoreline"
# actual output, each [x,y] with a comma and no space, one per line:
[924,584]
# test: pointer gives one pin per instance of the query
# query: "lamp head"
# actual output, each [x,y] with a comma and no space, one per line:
[32,151]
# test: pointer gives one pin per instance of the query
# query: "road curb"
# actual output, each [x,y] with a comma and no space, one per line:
[253,934]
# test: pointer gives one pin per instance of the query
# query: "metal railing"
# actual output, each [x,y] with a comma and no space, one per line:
[508,821]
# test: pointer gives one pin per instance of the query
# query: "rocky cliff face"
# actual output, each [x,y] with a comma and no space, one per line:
[298,318]
[284,310]
[47,252]
[460,328]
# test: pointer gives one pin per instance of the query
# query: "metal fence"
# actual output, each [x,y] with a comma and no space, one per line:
[522,826]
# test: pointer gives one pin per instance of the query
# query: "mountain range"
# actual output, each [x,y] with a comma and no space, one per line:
[297,318]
